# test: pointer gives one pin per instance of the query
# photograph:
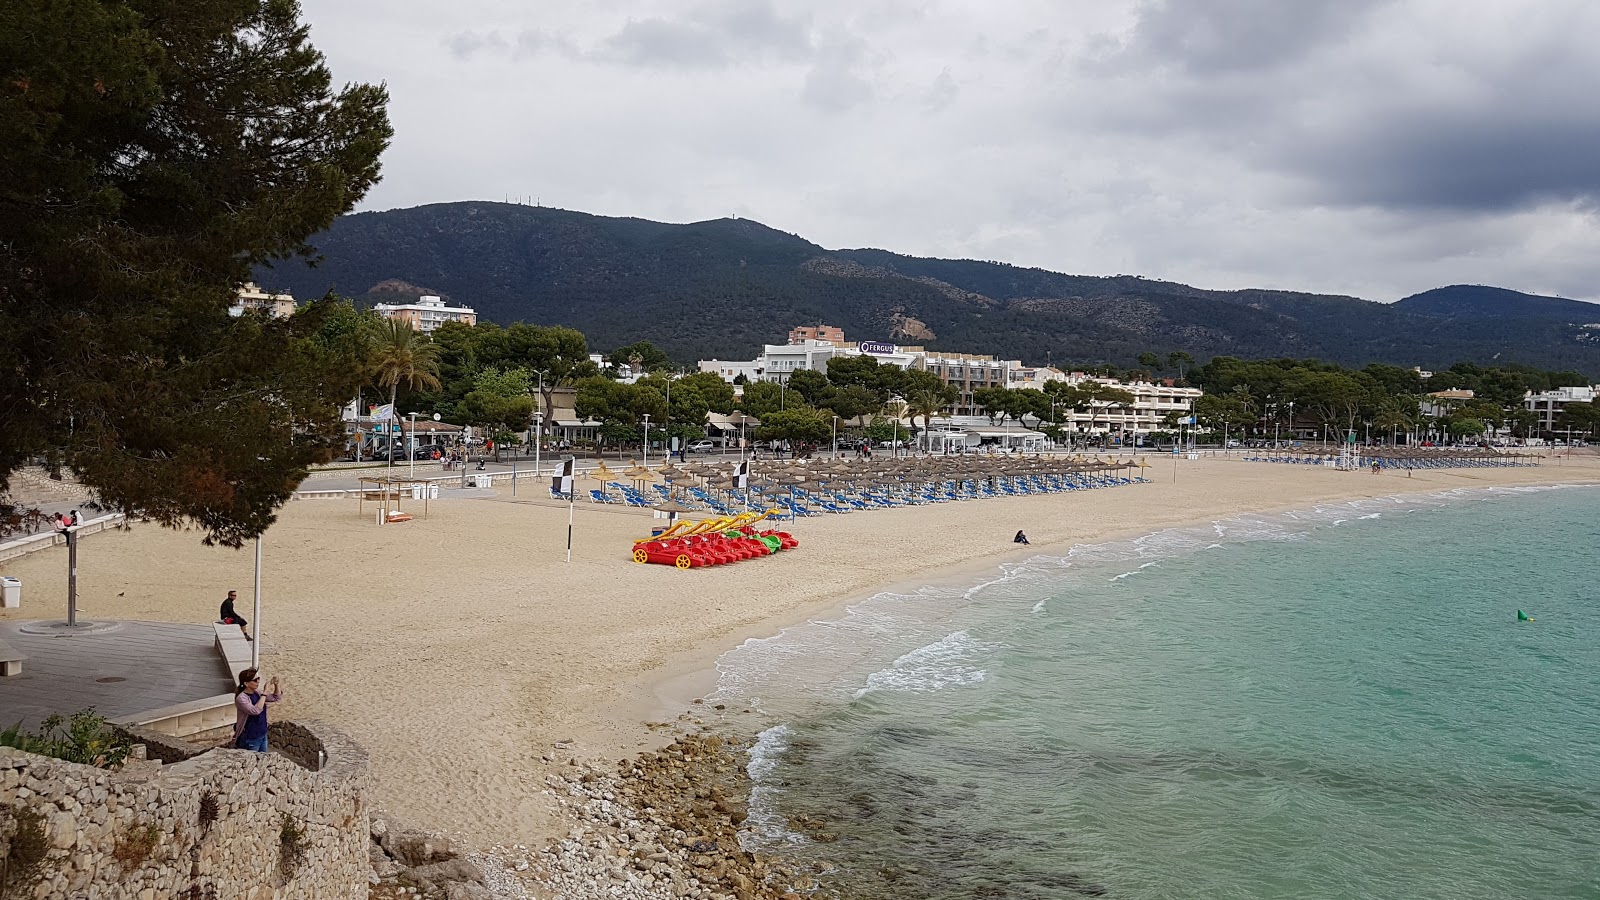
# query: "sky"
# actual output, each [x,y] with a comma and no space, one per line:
[1375,148]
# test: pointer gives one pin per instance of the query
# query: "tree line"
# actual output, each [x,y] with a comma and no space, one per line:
[1257,396]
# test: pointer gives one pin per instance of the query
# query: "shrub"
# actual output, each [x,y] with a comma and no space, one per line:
[135,846]
[291,847]
[24,862]
[81,738]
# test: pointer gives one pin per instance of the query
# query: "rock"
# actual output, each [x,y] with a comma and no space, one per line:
[419,848]
[461,891]
[453,870]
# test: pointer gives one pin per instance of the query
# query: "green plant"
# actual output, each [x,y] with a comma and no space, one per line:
[81,738]
[135,846]
[26,858]
[291,847]
[210,811]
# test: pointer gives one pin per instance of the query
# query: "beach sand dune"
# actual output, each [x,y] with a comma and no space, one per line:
[461,647]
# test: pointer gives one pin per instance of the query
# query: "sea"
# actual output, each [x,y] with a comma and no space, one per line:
[1337,702]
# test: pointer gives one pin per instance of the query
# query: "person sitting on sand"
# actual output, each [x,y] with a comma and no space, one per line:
[250,721]
[1020,538]
[231,617]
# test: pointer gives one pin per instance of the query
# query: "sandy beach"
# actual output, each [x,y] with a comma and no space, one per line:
[459,648]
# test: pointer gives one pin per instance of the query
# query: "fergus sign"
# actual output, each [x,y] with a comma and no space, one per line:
[875,347]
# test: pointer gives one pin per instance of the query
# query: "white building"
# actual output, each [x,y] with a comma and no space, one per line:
[427,314]
[252,297]
[1547,405]
[1152,404]
[778,361]
[730,371]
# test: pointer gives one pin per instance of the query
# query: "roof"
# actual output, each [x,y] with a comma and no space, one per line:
[726,421]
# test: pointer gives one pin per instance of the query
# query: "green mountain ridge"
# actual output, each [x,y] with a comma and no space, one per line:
[721,288]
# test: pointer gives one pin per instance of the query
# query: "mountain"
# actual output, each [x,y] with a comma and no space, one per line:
[724,287]
[1477,301]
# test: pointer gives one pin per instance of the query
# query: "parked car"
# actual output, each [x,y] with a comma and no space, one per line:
[702,446]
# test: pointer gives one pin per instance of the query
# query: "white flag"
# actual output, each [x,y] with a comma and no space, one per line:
[382,413]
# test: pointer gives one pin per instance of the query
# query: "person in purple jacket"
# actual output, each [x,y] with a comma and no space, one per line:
[250,724]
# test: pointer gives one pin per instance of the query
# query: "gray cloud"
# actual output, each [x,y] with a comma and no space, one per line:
[1226,36]
[1369,147]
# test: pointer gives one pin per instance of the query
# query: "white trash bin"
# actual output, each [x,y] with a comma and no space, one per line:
[433,490]
[10,592]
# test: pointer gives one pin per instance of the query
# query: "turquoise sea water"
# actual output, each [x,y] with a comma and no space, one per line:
[1336,703]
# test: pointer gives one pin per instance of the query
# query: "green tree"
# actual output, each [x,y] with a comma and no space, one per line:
[1582,418]
[866,372]
[1179,360]
[796,424]
[761,399]
[851,401]
[1394,415]
[154,153]
[560,353]
[402,355]
[927,397]
[812,386]
[642,354]
[500,402]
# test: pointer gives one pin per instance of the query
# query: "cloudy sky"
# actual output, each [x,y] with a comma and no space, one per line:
[1368,147]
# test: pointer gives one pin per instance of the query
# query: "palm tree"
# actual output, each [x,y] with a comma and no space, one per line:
[927,400]
[895,409]
[1392,419]
[403,355]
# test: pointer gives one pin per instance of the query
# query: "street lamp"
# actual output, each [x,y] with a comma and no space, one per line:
[835,437]
[411,451]
[742,418]
[647,440]
[538,442]
[538,431]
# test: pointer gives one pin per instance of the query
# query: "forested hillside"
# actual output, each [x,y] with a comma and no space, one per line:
[722,288]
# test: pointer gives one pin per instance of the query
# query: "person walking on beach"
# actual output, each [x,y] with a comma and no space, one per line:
[250,704]
[230,616]
[1020,538]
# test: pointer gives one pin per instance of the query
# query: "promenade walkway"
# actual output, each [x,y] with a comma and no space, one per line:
[119,668]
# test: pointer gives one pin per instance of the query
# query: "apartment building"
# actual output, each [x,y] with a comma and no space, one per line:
[968,372]
[1547,405]
[252,297]
[427,314]
[805,333]
[1152,403]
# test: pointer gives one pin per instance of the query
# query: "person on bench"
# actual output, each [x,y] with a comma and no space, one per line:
[231,617]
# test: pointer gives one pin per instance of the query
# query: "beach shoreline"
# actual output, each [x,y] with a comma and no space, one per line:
[694,675]
[470,659]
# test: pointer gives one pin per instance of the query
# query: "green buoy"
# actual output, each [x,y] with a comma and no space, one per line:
[1523,617]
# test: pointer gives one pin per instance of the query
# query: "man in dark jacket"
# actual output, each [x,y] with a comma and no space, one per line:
[232,617]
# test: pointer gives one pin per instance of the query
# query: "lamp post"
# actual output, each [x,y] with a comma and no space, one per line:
[647,440]
[538,426]
[742,418]
[835,437]
[411,450]
[1291,421]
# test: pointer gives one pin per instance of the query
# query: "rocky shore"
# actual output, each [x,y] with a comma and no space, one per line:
[661,826]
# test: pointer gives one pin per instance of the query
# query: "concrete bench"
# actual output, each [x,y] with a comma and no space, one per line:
[184,719]
[10,660]
[232,647]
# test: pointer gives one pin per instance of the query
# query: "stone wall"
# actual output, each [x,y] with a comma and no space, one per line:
[220,825]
